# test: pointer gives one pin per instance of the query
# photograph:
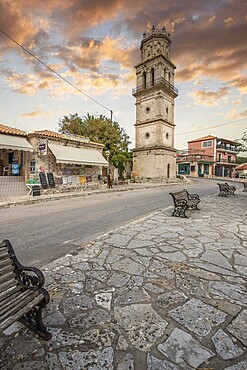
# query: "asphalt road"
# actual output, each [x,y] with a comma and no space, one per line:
[42,232]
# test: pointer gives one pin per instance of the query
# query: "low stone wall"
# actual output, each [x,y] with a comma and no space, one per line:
[72,188]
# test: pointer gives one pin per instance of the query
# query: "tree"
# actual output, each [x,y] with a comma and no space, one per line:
[101,130]
[240,160]
[243,143]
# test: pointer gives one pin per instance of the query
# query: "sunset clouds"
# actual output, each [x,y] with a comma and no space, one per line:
[95,45]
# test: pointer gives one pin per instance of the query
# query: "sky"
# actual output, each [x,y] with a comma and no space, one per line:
[96,44]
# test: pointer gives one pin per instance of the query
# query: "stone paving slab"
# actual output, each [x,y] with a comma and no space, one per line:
[159,293]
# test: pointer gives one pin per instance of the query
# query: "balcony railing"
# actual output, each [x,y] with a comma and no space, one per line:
[231,148]
[159,82]
[220,160]
[195,158]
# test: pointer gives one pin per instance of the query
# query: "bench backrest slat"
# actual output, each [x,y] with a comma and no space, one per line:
[19,310]
[6,273]
[4,253]
[10,292]
[19,300]
[8,283]
[4,269]
[183,194]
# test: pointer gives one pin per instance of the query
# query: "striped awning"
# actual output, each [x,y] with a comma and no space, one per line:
[15,143]
[68,154]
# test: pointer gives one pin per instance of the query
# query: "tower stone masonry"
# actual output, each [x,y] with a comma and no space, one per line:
[154,155]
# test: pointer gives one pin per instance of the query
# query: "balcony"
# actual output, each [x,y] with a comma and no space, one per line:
[160,82]
[228,161]
[195,158]
[227,148]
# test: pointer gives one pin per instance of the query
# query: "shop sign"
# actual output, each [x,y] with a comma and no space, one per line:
[32,167]
[43,147]
[15,169]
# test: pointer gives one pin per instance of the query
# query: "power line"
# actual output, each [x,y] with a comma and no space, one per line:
[52,70]
[208,128]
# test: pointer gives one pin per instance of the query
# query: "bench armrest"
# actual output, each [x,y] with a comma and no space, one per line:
[180,202]
[193,196]
[30,277]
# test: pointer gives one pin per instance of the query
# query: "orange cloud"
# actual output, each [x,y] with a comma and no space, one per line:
[38,112]
[208,39]
[240,83]
[209,98]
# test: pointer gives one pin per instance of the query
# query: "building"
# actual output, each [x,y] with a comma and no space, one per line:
[241,171]
[70,158]
[15,152]
[154,155]
[208,156]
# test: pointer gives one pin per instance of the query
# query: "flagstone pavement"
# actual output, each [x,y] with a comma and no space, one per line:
[159,293]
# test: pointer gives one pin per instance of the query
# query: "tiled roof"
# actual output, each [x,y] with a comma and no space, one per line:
[227,141]
[11,131]
[242,167]
[98,144]
[208,137]
[57,135]
[46,133]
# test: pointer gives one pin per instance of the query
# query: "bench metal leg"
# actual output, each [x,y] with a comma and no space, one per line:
[179,212]
[33,320]
[195,207]
[222,193]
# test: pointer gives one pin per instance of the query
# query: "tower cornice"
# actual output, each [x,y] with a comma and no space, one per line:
[151,60]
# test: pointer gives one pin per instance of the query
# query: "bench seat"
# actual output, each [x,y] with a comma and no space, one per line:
[22,296]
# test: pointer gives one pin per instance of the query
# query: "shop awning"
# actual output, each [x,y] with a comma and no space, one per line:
[15,143]
[67,154]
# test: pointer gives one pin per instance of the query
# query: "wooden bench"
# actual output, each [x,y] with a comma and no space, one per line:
[22,296]
[182,201]
[245,185]
[226,190]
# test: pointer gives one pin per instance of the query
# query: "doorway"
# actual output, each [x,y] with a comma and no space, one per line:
[168,171]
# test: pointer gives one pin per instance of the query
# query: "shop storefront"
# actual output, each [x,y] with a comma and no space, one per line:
[61,159]
[70,158]
[15,152]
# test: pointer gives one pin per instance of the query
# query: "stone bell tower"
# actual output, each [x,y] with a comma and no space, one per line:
[154,155]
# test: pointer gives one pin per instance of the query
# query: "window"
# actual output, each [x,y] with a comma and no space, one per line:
[192,168]
[167,135]
[207,144]
[184,168]
[152,75]
[147,135]
[144,79]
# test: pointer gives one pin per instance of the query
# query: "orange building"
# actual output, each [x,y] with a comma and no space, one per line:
[208,156]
